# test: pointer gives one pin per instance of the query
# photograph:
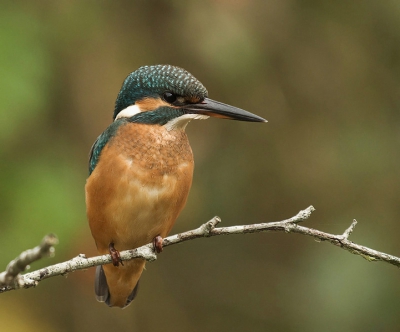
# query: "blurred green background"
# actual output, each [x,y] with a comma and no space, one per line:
[326,75]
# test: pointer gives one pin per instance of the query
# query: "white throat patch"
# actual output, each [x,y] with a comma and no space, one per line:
[182,121]
[128,112]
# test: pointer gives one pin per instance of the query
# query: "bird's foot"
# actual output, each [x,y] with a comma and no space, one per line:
[115,256]
[157,244]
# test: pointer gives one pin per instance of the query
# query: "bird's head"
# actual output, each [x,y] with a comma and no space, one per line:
[170,96]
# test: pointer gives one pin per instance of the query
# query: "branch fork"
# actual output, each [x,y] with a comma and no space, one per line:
[11,278]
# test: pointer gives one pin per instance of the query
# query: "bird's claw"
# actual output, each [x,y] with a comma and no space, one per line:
[158,244]
[115,256]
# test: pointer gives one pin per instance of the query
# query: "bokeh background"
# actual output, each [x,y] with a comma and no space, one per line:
[326,74]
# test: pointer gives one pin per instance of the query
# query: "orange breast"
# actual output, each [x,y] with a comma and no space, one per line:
[139,186]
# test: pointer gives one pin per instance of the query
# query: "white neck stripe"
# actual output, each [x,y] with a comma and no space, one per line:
[128,112]
[182,121]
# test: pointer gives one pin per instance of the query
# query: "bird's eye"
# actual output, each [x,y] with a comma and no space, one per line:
[169,97]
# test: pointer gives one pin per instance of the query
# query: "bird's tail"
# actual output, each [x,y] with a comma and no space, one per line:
[118,286]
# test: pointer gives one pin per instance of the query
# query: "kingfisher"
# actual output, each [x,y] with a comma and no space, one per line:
[141,170]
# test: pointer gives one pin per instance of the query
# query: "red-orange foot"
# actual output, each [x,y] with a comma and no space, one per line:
[157,244]
[116,258]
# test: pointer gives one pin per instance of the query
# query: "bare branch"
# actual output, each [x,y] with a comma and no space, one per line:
[349,230]
[206,230]
[11,276]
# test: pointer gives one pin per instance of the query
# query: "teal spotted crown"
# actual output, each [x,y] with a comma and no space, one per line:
[153,81]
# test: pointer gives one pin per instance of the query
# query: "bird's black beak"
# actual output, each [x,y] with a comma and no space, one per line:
[220,110]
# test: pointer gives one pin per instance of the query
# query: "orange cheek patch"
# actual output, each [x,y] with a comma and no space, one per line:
[151,104]
[193,100]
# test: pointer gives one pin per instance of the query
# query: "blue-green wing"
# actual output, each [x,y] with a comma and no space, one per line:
[100,143]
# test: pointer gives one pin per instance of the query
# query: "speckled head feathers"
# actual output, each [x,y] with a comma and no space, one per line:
[153,81]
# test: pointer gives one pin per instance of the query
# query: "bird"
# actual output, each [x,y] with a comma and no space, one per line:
[141,170]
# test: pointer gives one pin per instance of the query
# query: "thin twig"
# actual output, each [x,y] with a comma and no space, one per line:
[11,277]
[206,230]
